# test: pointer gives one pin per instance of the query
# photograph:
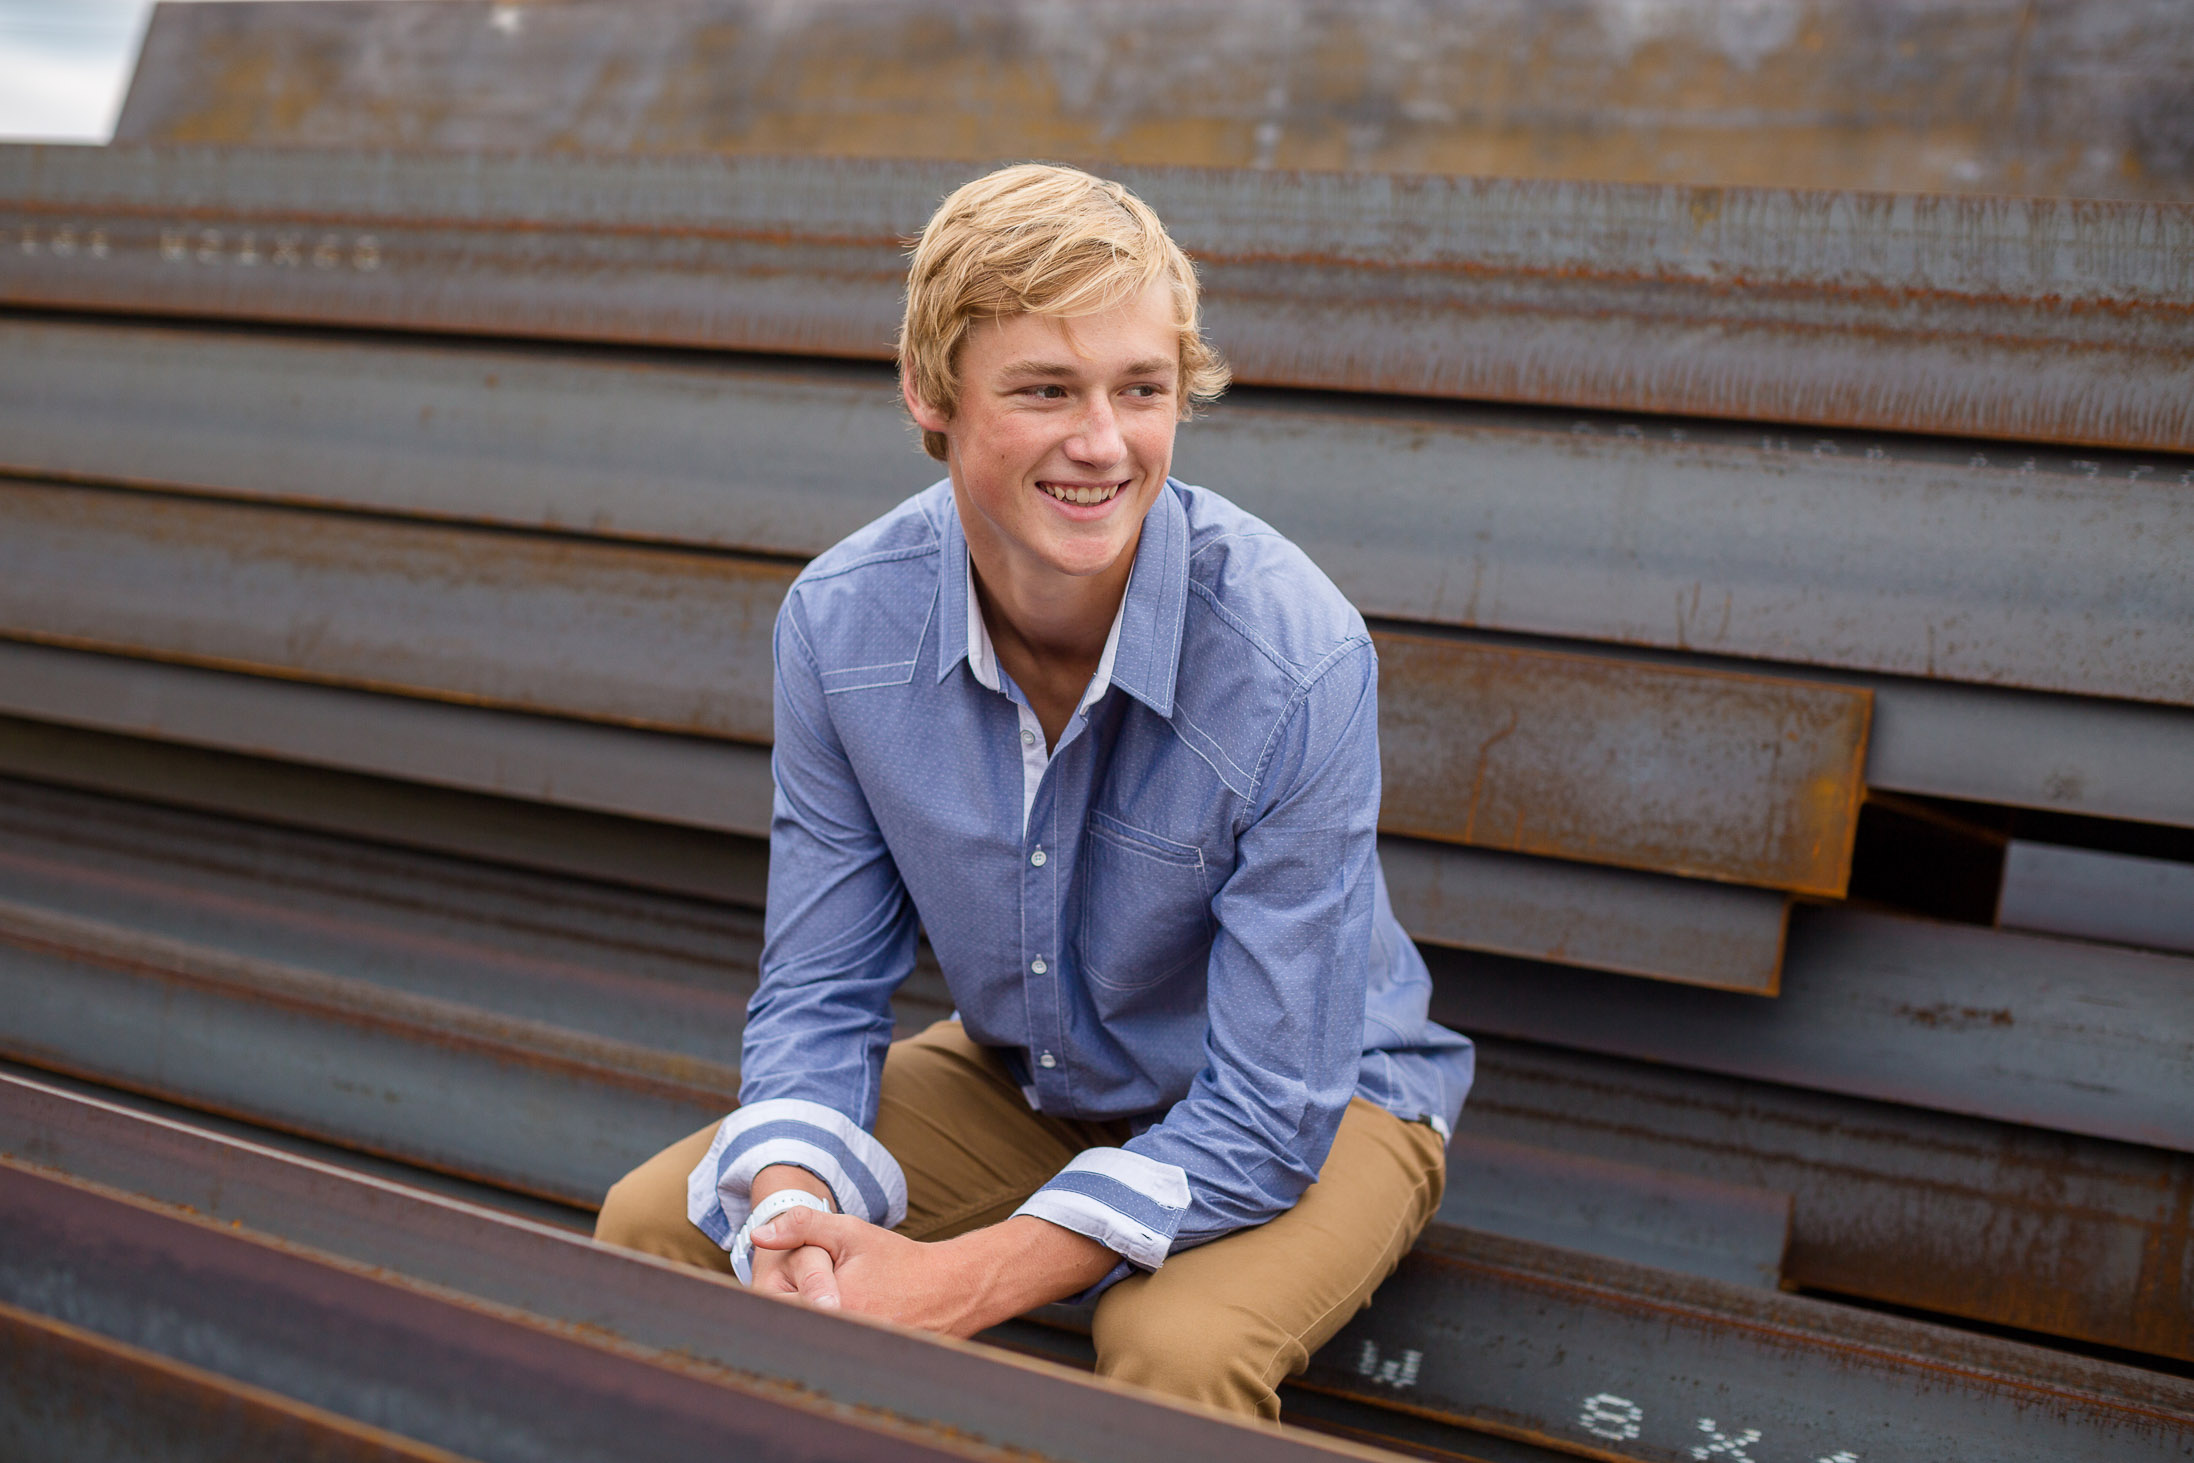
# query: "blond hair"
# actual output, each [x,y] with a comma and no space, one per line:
[1039,240]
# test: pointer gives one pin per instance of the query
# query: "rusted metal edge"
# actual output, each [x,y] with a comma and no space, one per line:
[2078,1037]
[486,1287]
[1824,1367]
[2003,1223]
[1955,561]
[2017,318]
[69,1392]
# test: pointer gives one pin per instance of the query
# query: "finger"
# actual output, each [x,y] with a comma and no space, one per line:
[770,1275]
[796,1227]
[814,1277]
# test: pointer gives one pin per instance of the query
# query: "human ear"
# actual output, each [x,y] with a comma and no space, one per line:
[927,417]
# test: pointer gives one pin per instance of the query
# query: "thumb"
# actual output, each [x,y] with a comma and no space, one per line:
[797,1227]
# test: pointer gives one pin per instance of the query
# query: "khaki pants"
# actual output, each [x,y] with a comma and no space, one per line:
[1222,1324]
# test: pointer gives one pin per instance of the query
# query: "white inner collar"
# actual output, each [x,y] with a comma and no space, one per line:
[982,656]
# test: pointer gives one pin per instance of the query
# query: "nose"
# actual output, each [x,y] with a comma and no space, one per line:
[1096,440]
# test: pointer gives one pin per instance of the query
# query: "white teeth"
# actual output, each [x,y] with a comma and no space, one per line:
[1083,496]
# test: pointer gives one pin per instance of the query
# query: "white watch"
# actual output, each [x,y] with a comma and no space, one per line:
[742,1243]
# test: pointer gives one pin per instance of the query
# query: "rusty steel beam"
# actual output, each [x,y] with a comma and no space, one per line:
[657,639]
[1909,1206]
[1488,1334]
[1751,780]
[1975,96]
[1655,925]
[485,1381]
[2098,896]
[923,1391]
[2023,319]
[2078,1037]
[1956,561]
[1740,778]
[1999,1222]
[680,781]
[1645,1216]
[68,1395]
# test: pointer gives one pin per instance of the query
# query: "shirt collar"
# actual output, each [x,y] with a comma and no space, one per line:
[1143,650]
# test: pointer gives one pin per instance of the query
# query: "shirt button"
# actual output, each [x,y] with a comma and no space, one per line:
[1038,965]
[1028,738]
[1037,858]
[1047,1060]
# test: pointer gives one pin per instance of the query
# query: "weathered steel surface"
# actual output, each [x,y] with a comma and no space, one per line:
[651,638]
[684,781]
[989,1405]
[2099,896]
[1960,561]
[1646,1216]
[482,1383]
[1608,919]
[2015,318]
[68,1395]
[1917,1208]
[2000,1222]
[1746,779]
[1761,776]
[726,868]
[2077,1037]
[1971,96]
[1628,1362]
[1892,1381]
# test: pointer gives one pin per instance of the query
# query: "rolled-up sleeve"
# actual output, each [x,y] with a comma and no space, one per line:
[1285,997]
[839,939]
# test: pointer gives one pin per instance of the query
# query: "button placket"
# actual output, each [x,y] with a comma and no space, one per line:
[1039,924]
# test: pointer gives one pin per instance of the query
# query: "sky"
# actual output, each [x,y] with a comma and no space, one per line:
[64,65]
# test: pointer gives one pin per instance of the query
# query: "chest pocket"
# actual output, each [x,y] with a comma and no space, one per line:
[1146,906]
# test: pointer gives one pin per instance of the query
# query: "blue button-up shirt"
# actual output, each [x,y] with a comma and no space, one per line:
[1174,917]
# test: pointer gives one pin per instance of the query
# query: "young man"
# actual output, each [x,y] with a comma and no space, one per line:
[1113,744]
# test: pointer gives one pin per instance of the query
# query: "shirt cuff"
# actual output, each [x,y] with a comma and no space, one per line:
[1130,1204]
[864,1179]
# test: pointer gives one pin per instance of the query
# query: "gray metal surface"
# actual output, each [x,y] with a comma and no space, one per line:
[1499,1327]
[2017,318]
[1982,96]
[1629,1362]
[655,638]
[1825,549]
[1706,773]
[725,867]
[2097,896]
[2000,1222]
[481,1382]
[68,1395]
[2077,1037]
[1607,919]
[634,1308]
[688,781]
[1645,1216]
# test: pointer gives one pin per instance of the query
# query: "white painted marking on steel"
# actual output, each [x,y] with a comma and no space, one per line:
[1730,1445]
[1396,1372]
[1606,1415]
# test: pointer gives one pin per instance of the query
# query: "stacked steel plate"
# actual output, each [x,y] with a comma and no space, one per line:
[1785,601]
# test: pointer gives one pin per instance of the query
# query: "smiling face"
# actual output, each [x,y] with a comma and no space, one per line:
[1062,438]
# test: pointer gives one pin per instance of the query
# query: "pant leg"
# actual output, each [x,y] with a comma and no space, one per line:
[646,1209]
[971,1149]
[1225,1323]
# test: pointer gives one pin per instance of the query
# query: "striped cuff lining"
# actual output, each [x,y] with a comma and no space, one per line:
[864,1179]
[1130,1204]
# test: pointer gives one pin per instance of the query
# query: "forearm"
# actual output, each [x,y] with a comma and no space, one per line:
[779,1176]
[1012,1267]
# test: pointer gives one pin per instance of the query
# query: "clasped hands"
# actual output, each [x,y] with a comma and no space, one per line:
[958,1286]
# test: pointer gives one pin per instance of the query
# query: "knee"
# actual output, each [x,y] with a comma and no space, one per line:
[642,1213]
[1222,1355]
[626,1218]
